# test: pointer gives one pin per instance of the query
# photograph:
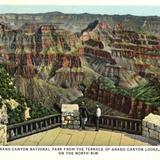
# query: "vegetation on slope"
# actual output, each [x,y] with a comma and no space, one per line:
[148,93]
[16,103]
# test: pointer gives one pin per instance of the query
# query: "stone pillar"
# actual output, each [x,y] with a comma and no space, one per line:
[151,126]
[70,116]
[3,135]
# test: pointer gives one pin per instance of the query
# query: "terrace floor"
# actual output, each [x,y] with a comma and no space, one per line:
[88,137]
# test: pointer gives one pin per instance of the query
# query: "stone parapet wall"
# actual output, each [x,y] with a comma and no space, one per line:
[3,135]
[151,126]
[69,120]
[70,116]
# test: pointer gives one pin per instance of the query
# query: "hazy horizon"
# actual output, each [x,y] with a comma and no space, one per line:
[68,9]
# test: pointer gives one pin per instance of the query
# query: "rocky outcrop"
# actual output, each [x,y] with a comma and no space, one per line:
[45,39]
[100,54]
[47,94]
[94,43]
[27,65]
[24,50]
[119,69]
[68,78]
[90,27]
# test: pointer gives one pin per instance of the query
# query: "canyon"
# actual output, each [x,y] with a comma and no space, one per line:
[56,58]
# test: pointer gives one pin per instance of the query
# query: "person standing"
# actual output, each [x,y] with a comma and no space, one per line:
[83,116]
[98,115]
[80,116]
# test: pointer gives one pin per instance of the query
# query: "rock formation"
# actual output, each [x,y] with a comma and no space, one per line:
[48,61]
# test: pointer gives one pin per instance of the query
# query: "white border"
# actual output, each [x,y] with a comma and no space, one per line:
[80,2]
[14,155]
[103,155]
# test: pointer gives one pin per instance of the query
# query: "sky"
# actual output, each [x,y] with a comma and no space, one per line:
[96,9]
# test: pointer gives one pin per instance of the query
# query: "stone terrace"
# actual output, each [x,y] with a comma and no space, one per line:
[88,137]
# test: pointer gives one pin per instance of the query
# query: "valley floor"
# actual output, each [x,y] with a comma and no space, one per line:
[89,137]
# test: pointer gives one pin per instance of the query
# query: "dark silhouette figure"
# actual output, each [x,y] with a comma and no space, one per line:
[83,115]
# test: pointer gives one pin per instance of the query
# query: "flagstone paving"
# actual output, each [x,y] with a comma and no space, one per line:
[88,137]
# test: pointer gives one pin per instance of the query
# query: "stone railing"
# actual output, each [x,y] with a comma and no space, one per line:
[49,122]
[118,123]
[30,127]
[151,126]
[3,135]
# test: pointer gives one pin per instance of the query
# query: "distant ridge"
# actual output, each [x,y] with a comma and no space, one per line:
[77,22]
